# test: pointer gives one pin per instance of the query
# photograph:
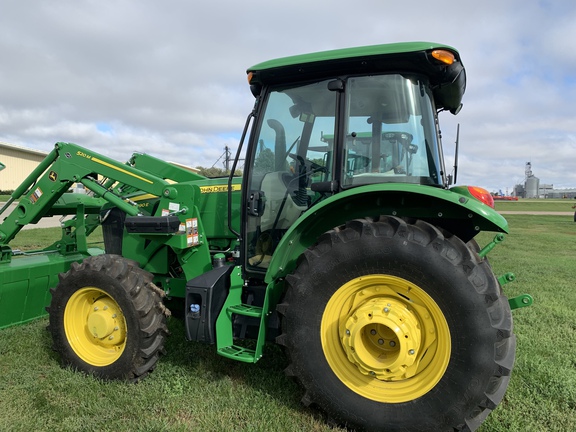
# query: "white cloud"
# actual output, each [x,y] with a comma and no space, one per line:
[168,78]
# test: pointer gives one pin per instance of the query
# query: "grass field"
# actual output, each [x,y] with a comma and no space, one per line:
[35,238]
[552,205]
[193,389]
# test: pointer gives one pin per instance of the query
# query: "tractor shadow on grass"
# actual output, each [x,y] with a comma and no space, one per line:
[260,381]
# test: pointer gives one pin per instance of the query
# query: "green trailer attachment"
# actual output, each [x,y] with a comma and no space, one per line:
[26,283]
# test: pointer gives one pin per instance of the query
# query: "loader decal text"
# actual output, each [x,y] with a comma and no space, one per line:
[218,188]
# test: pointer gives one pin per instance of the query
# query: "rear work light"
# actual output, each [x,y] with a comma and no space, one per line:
[481,195]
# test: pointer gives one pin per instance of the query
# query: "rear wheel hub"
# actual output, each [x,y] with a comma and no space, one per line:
[382,339]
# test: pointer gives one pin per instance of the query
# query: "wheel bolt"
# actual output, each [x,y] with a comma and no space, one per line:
[372,332]
[347,332]
[111,337]
[411,352]
[95,308]
[386,310]
[381,341]
[392,343]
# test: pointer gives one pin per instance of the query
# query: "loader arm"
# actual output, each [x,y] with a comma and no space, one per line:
[66,164]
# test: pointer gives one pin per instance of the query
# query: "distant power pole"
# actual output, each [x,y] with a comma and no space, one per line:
[227,158]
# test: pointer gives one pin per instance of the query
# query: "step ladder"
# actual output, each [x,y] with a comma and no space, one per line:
[224,324]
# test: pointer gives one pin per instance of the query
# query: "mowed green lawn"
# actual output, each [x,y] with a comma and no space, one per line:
[193,389]
[548,205]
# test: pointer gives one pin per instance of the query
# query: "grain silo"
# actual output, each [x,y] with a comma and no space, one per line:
[532,183]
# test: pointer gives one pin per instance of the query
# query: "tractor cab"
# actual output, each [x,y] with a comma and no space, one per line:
[322,130]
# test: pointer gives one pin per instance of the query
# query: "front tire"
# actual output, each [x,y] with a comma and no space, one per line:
[392,325]
[107,318]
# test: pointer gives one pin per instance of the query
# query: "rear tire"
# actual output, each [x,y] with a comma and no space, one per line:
[107,318]
[391,325]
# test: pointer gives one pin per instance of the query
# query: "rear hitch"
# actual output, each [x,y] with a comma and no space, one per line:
[506,278]
[498,238]
[520,301]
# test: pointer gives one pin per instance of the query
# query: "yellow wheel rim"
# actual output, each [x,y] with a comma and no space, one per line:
[95,326]
[385,338]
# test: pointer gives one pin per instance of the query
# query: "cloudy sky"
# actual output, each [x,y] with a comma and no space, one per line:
[168,77]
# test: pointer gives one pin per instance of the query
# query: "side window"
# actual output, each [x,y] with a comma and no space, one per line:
[294,150]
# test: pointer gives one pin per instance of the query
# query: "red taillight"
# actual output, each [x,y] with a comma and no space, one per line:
[481,195]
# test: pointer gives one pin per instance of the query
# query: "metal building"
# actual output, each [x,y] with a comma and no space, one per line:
[531,188]
[19,162]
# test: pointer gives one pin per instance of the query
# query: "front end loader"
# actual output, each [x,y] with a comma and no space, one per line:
[344,241]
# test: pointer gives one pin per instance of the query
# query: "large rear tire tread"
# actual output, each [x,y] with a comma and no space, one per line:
[140,302]
[463,398]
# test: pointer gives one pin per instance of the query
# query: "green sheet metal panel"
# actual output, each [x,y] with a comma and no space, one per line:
[25,284]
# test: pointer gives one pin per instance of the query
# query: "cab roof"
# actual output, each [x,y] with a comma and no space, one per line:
[447,80]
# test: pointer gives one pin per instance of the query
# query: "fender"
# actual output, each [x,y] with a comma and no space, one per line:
[461,215]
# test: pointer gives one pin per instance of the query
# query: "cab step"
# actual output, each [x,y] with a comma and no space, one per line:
[246,310]
[225,322]
[239,353]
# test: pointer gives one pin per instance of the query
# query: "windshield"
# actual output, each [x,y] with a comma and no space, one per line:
[390,132]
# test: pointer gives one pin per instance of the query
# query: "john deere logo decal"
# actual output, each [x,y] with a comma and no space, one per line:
[52,176]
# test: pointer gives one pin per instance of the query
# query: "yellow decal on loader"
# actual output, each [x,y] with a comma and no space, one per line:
[109,165]
[143,197]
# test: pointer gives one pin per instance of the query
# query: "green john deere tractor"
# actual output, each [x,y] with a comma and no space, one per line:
[343,242]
